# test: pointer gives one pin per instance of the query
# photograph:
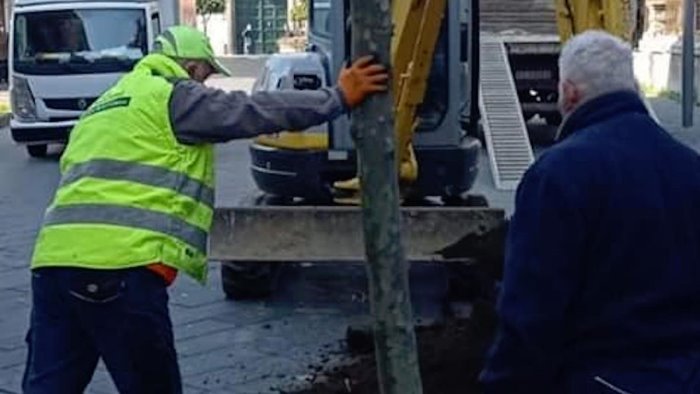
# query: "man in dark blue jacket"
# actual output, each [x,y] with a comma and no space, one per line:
[601,290]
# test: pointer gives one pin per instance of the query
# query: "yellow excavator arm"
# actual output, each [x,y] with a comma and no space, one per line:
[416,31]
[619,17]
[417,23]
[417,27]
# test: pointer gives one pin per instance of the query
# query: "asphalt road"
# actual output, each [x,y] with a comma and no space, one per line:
[223,346]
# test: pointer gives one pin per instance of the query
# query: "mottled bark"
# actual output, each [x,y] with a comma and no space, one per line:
[373,130]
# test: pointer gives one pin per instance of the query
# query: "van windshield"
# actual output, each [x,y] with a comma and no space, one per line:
[78,41]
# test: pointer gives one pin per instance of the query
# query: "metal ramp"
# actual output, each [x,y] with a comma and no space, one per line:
[505,132]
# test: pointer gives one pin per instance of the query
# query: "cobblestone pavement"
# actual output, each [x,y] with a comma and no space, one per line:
[224,346]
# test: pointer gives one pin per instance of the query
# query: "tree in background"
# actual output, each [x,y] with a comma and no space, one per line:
[300,14]
[206,8]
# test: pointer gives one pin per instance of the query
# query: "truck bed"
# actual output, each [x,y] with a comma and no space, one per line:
[527,17]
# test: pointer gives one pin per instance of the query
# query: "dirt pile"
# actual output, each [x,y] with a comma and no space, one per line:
[451,357]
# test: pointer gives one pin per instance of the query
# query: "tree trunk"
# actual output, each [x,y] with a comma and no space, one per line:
[373,131]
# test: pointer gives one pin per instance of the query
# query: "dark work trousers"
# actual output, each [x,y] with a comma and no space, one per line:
[80,315]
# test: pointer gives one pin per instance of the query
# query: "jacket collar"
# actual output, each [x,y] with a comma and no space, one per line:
[601,109]
[161,65]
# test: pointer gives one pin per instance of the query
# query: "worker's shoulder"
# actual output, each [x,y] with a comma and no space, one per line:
[575,150]
[596,140]
[195,89]
[573,160]
[144,84]
[188,94]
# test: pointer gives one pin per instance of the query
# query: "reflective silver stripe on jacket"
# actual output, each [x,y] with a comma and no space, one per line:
[129,217]
[611,386]
[144,174]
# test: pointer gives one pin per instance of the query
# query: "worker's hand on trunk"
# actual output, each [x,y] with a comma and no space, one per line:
[361,79]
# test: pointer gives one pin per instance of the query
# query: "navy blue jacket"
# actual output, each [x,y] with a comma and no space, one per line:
[602,274]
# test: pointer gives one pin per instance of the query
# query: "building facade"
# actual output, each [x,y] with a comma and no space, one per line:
[257,25]
[665,17]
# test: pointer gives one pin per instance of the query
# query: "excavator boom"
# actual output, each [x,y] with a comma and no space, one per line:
[619,17]
[418,26]
[416,30]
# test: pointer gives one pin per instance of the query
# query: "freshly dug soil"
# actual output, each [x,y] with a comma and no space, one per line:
[451,357]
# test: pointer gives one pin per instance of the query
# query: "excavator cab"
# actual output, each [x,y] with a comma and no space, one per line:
[309,165]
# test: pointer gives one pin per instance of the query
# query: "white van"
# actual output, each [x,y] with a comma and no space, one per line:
[64,54]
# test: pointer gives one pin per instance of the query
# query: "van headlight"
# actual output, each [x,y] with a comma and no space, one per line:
[22,101]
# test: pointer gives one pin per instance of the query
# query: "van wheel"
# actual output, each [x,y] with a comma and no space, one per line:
[37,150]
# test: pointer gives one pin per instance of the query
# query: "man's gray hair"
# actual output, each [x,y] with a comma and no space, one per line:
[598,63]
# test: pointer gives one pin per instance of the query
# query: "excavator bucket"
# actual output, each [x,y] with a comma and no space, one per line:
[335,233]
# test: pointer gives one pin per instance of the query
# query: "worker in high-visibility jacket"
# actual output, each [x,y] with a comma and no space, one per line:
[134,207]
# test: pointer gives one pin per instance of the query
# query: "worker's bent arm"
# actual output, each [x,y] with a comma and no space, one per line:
[542,272]
[201,114]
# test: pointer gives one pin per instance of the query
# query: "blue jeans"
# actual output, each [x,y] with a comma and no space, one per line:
[79,316]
